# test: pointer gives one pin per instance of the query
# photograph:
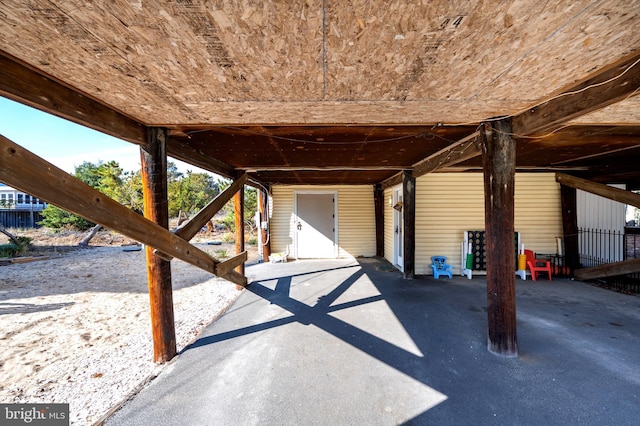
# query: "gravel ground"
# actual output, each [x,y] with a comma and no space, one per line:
[76,329]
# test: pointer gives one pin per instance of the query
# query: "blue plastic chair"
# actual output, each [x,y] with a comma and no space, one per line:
[440,267]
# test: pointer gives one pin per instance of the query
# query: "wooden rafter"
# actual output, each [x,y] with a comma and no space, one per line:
[599,154]
[176,148]
[23,84]
[180,150]
[620,195]
[465,149]
[608,86]
[392,181]
[24,170]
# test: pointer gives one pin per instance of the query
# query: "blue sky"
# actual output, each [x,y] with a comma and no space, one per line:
[64,143]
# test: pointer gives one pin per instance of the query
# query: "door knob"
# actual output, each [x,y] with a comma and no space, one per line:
[299,226]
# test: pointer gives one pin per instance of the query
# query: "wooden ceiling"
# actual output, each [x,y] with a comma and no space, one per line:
[334,92]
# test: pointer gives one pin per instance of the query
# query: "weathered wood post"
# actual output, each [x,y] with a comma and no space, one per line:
[409,219]
[238,209]
[498,162]
[569,200]
[156,208]
[263,199]
[378,202]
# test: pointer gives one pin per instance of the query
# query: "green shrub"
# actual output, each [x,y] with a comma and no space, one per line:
[229,221]
[221,254]
[56,218]
[8,250]
[228,237]
[12,250]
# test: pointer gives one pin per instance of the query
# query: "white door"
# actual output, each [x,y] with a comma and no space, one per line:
[398,229]
[315,225]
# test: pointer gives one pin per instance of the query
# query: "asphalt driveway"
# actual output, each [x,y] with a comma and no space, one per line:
[347,342]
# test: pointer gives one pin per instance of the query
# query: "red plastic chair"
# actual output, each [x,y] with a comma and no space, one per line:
[536,265]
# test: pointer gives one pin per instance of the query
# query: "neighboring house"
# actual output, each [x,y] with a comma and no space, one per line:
[19,210]
[339,221]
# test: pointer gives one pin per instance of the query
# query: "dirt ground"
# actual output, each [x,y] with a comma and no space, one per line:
[75,328]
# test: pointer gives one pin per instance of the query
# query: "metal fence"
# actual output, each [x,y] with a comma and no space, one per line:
[600,246]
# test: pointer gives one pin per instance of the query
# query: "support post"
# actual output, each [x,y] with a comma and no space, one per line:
[263,200]
[154,184]
[378,202]
[409,219]
[568,197]
[498,164]
[238,208]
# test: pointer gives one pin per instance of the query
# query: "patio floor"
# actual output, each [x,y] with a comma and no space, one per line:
[348,342]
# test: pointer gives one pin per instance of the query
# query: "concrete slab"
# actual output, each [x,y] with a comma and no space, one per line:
[346,342]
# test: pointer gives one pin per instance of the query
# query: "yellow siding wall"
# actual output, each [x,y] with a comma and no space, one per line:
[356,219]
[538,211]
[447,204]
[282,220]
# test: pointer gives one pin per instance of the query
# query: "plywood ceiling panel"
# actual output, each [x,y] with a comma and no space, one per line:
[329,91]
[319,62]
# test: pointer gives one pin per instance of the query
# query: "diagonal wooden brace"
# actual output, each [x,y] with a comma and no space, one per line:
[26,171]
[629,266]
[606,191]
[191,228]
[224,268]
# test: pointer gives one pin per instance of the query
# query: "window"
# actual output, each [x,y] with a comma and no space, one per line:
[20,199]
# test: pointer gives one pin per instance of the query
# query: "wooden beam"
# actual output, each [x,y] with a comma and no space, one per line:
[615,194]
[191,228]
[24,84]
[392,181]
[610,85]
[334,168]
[455,153]
[378,203]
[181,150]
[26,171]
[153,158]
[599,154]
[409,222]
[499,161]
[238,209]
[609,270]
[569,203]
[224,268]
